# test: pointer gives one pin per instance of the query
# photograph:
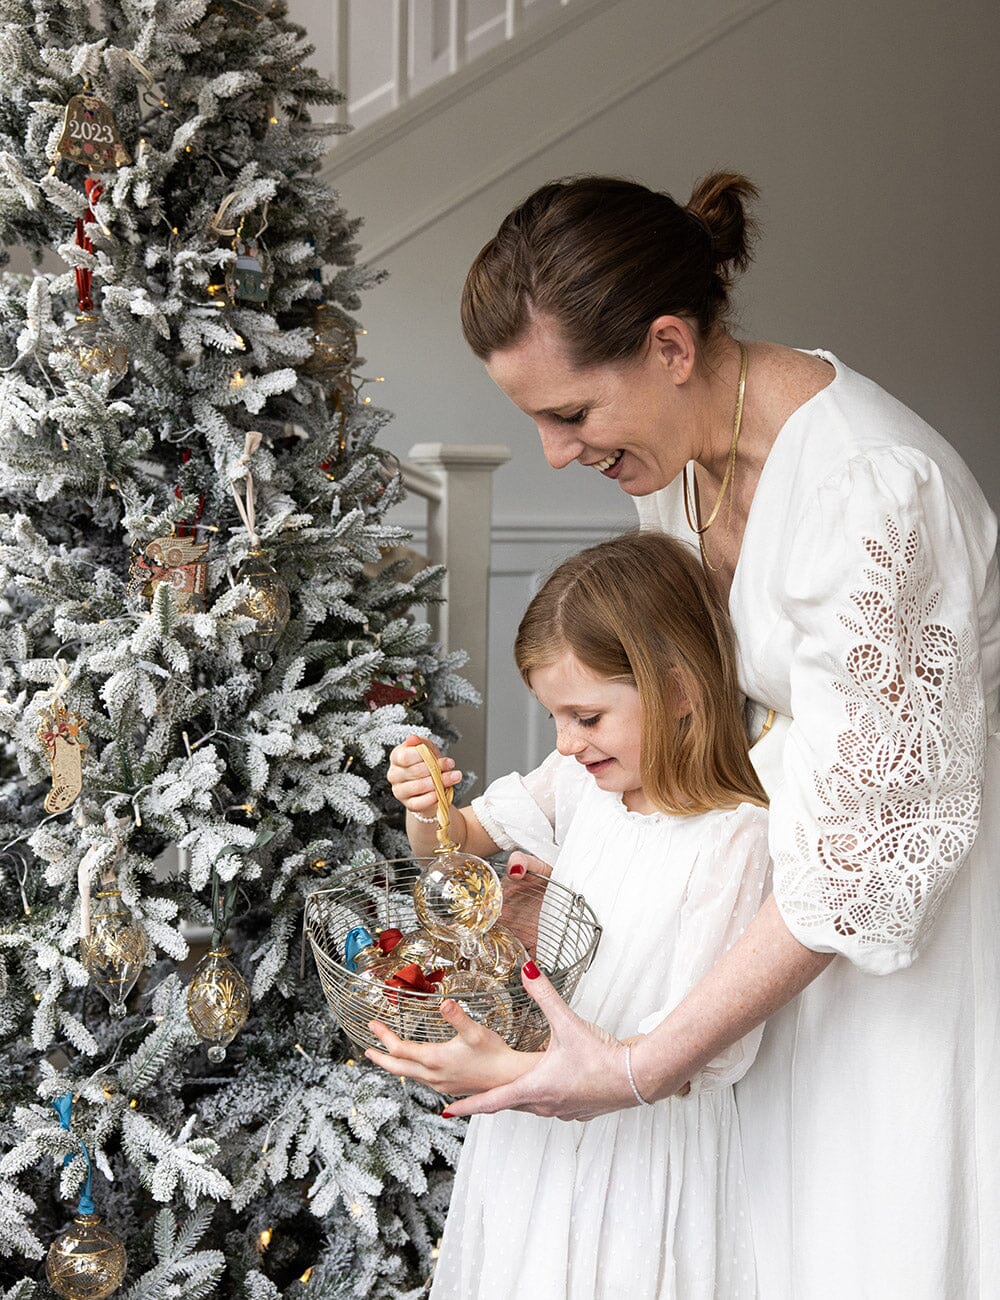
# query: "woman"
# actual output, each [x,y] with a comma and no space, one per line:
[857,556]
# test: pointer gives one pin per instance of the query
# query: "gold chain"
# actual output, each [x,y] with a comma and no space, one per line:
[691,494]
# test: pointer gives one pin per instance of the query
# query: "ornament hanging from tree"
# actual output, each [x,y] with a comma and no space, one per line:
[60,732]
[86,1261]
[90,135]
[268,603]
[113,945]
[91,344]
[177,561]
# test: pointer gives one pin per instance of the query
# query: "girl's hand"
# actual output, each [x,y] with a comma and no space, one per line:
[410,780]
[474,1060]
[581,1074]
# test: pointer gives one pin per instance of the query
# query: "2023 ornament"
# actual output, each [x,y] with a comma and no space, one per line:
[218,1002]
[177,561]
[60,732]
[90,135]
[115,950]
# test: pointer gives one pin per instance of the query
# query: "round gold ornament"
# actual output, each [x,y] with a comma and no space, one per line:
[115,951]
[458,897]
[87,1261]
[335,347]
[218,1002]
[95,349]
[268,604]
[429,952]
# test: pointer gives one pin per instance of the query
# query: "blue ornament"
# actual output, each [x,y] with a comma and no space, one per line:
[357,940]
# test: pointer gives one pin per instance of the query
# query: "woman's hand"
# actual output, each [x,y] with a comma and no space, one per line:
[580,1075]
[411,781]
[522,897]
[475,1059]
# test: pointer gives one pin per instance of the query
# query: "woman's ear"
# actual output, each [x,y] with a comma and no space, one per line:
[672,342]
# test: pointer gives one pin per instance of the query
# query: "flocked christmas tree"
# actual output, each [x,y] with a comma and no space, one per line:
[186,461]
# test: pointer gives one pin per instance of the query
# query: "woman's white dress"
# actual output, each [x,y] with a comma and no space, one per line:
[865,605]
[649,1203]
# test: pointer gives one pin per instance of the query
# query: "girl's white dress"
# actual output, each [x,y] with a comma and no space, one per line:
[649,1203]
[866,607]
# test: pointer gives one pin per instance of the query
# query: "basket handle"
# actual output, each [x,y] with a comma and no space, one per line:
[444,798]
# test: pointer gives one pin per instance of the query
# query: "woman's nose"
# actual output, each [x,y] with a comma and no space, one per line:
[560,447]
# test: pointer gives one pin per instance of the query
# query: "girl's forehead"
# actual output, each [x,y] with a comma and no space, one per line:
[566,682]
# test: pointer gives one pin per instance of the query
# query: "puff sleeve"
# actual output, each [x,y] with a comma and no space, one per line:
[883,762]
[532,812]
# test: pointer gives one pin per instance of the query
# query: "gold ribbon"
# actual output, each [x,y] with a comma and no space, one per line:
[444,798]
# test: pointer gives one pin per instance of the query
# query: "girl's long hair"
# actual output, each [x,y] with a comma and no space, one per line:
[638,609]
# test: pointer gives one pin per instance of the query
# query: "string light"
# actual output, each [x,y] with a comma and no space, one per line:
[264,1240]
[133,1103]
[237,380]
[306,1275]
[273,121]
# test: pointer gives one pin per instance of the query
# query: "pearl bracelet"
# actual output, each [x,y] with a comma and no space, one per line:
[427,821]
[631,1081]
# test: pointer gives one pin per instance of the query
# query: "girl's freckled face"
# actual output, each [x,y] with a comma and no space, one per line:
[598,722]
[623,420]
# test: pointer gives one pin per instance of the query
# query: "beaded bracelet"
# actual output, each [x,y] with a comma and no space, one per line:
[631,1081]
[427,821]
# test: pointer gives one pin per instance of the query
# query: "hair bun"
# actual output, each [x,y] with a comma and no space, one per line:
[719,203]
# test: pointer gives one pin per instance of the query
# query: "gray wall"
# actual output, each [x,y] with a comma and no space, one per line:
[871,131]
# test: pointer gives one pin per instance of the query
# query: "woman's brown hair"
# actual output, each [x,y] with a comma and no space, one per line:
[638,609]
[603,258]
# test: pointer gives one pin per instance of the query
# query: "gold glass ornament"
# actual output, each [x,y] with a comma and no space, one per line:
[218,1002]
[492,1008]
[95,349]
[503,952]
[458,897]
[335,347]
[115,951]
[86,1262]
[430,952]
[268,604]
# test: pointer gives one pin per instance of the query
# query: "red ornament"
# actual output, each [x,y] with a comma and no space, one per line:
[380,694]
[411,979]
[388,939]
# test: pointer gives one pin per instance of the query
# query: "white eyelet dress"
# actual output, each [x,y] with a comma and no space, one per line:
[649,1203]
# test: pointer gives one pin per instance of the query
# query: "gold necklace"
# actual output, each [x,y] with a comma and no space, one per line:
[691,494]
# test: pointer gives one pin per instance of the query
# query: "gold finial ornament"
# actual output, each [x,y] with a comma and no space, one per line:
[218,1002]
[115,951]
[268,604]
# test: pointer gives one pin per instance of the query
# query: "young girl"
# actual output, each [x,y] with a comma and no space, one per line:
[655,814]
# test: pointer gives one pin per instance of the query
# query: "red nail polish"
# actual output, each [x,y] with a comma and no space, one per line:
[516,870]
[446,1114]
[531,970]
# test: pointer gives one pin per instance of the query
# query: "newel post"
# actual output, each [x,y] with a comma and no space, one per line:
[458,536]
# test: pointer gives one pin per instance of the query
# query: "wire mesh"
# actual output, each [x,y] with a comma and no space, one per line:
[557,927]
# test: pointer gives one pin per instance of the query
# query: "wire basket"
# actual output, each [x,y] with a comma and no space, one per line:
[557,927]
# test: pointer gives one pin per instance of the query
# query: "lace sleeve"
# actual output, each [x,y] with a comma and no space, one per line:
[883,763]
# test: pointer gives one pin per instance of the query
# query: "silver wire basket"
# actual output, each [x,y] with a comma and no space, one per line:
[557,927]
